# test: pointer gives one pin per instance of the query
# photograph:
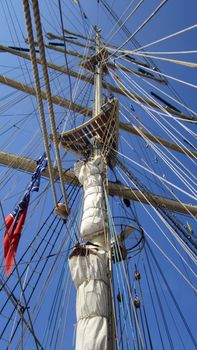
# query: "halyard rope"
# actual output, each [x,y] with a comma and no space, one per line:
[48,93]
[39,93]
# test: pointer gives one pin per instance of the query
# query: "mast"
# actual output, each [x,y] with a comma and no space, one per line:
[91,263]
[98,76]
[98,104]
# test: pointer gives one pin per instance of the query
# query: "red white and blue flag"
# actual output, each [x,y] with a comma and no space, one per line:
[15,220]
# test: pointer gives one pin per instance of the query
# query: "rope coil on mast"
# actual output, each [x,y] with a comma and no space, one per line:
[63,213]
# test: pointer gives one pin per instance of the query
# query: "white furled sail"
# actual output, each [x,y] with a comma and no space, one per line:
[89,262]
[94,213]
[88,265]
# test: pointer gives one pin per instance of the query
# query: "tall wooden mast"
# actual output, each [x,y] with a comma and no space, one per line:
[91,263]
[98,76]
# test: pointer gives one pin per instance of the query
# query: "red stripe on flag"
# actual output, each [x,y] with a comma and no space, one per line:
[11,239]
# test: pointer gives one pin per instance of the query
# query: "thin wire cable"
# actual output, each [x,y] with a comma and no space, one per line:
[141,26]
[167,225]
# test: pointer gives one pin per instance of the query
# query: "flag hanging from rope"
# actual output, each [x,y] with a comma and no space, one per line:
[15,220]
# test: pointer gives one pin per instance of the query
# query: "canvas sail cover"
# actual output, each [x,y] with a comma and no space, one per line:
[89,262]
[88,266]
[93,220]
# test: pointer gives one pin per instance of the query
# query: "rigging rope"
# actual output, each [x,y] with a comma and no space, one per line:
[48,92]
[168,37]
[118,252]
[162,212]
[182,63]
[158,105]
[154,309]
[160,304]
[169,227]
[138,277]
[38,92]
[171,294]
[34,269]
[65,54]
[123,23]
[141,26]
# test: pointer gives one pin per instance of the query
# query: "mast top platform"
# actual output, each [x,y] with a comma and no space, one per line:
[100,57]
[105,125]
[92,61]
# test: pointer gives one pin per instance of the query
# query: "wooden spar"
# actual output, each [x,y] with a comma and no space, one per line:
[134,97]
[51,36]
[70,71]
[129,70]
[77,43]
[77,54]
[60,49]
[79,35]
[28,165]
[90,80]
[57,100]
[157,139]
[49,64]
[136,195]
[137,98]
